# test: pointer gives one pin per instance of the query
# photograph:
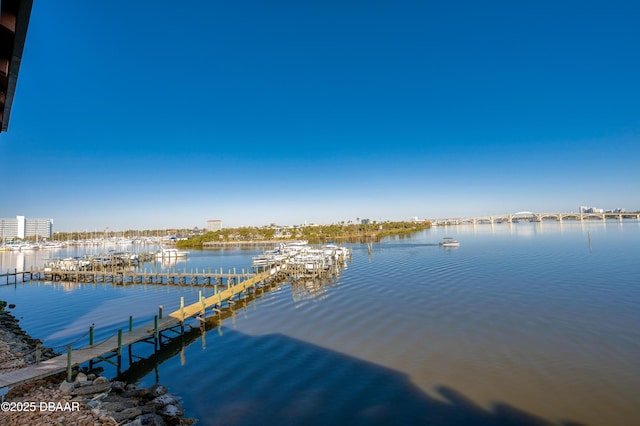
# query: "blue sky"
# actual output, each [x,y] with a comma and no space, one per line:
[146,115]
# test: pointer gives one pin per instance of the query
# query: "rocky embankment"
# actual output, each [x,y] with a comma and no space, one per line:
[17,348]
[89,400]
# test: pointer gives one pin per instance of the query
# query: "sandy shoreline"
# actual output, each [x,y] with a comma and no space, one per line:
[90,399]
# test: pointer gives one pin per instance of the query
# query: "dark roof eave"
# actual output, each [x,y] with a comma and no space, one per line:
[22,23]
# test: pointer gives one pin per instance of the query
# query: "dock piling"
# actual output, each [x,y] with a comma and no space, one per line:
[181,315]
[156,333]
[69,375]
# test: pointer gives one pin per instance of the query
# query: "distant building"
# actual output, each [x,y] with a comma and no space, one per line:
[214,225]
[22,227]
[618,210]
[585,209]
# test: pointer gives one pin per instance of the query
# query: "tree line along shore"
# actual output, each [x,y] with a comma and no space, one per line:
[359,231]
[343,231]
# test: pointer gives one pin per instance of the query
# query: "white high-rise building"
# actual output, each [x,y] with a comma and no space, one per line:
[23,227]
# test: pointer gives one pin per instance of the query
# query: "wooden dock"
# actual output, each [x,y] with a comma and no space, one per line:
[201,278]
[117,264]
[148,331]
[237,284]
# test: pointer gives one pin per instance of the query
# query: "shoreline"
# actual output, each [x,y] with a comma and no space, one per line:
[91,399]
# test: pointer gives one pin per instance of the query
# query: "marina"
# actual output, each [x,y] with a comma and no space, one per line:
[297,260]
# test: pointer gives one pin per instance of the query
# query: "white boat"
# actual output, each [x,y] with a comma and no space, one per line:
[268,259]
[449,242]
[24,247]
[51,245]
[170,253]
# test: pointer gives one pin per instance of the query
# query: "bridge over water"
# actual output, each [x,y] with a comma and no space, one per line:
[526,216]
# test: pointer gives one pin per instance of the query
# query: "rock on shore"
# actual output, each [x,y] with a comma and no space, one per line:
[17,348]
[91,401]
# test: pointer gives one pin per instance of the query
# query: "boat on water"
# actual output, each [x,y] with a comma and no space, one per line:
[50,245]
[449,242]
[24,247]
[170,253]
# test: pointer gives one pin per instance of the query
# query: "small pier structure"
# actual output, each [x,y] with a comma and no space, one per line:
[56,269]
[299,259]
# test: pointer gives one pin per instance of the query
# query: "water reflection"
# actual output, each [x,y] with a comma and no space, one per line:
[307,289]
[171,262]
[275,379]
[329,387]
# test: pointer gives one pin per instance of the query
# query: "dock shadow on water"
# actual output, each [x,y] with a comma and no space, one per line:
[229,378]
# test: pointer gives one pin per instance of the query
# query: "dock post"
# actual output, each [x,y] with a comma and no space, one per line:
[204,306]
[160,312]
[69,364]
[182,315]
[155,332]
[130,323]
[91,344]
[119,350]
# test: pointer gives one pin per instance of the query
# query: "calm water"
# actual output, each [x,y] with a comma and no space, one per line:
[522,324]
